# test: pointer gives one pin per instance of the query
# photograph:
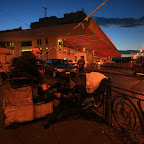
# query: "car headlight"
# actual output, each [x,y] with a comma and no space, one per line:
[59,70]
[74,69]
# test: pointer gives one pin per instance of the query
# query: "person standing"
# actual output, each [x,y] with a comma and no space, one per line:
[26,67]
[81,63]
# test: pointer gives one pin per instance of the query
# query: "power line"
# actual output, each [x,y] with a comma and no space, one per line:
[44,3]
[3,12]
[15,18]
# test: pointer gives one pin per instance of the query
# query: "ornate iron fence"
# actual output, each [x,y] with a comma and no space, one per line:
[127,112]
[123,110]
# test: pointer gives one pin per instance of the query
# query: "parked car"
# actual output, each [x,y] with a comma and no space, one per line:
[137,65]
[40,64]
[12,64]
[57,66]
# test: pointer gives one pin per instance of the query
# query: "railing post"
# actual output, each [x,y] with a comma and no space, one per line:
[1,104]
[108,102]
[142,113]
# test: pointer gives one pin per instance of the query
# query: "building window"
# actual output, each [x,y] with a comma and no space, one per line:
[68,52]
[26,46]
[11,45]
[6,45]
[60,45]
[84,50]
[75,58]
[12,49]
[39,42]
[46,41]
[26,43]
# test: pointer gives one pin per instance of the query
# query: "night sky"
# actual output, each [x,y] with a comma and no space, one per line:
[121,20]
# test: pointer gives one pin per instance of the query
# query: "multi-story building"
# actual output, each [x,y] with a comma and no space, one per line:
[65,38]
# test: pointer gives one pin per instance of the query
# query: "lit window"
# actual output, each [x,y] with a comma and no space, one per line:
[60,43]
[84,49]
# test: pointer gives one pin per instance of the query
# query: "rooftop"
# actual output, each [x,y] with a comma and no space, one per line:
[53,20]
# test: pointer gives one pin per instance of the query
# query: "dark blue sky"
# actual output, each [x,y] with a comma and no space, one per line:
[121,20]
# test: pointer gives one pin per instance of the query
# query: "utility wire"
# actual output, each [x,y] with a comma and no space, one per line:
[3,12]
[44,3]
[41,3]
[90,14]
[81,23]
[15,18]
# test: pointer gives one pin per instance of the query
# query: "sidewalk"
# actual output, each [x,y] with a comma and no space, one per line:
[71,131]
[117,71]
[65,132]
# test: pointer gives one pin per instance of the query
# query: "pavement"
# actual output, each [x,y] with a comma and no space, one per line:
[65,132]
[74,130]
[114,70]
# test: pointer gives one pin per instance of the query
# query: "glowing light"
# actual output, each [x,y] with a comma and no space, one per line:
[60,42]
[84,49]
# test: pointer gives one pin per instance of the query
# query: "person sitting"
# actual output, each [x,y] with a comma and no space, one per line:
[74,99]
[64,90]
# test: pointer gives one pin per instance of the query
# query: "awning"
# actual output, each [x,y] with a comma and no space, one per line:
[88,35]
[95,41]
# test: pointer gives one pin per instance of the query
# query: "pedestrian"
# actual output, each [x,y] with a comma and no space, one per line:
[81,63]
[26,67]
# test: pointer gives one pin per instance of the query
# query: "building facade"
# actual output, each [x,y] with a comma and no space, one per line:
[61,38]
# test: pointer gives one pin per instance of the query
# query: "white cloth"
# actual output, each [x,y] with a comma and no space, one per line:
[93,81]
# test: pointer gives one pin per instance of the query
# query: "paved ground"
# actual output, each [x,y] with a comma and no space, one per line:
[72,131]
[114,70]
[66,132]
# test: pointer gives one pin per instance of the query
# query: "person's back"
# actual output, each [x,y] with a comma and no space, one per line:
[26,67]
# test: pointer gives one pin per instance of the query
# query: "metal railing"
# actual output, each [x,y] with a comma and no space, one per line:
[127,112]
[123,110]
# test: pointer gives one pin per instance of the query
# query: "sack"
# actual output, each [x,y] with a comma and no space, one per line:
[93,81]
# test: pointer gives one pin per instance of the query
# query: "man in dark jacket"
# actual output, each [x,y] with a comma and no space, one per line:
[26,67]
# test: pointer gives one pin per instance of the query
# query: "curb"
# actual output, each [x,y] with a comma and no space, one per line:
[114,72]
